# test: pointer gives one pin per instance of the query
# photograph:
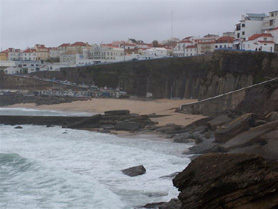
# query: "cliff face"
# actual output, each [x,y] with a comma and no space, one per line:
[229,181]
[188,77]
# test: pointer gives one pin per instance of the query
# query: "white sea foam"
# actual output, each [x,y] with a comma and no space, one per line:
[66,168]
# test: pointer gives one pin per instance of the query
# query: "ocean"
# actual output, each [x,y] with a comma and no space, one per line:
[55,167]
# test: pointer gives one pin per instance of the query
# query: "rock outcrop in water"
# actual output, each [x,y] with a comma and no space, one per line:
[231,181]
[135,171]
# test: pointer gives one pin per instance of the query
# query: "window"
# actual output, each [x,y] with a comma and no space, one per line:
[238,35]
[243,33]
[243,25]
[265,39]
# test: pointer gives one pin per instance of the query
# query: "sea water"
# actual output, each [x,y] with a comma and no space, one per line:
[54,167]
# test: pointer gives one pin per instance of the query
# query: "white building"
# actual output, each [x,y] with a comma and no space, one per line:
[179,50]
[259,42]
[206,44]
[271,21]
[105,53]
[14,54]
[29,55]
[155,52]
[12,70]
[224,42]
[249,24]
[54,52]
[68,58]
[191,50]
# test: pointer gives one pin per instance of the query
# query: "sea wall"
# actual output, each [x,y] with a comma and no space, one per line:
[258,98]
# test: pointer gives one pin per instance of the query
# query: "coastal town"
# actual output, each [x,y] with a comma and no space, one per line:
[254,32]
[127,105]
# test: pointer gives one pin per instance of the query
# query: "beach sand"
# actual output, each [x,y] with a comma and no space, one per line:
[98,105]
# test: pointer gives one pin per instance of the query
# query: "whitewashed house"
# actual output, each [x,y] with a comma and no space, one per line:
[249,24]
[179,50]
[259,42]
[224,42]
[14,54]
[155,52]
[12,70]
[29,55]
[191,50]
[271,21]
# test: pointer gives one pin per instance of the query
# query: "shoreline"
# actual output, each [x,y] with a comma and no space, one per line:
[164,107]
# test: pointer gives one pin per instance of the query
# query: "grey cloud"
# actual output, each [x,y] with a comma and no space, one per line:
[52,22]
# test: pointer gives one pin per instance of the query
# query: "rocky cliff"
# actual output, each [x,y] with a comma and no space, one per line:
[187,77]
[238,181]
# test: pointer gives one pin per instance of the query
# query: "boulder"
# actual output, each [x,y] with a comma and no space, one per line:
[172,204]
[135,171]
[18,127]
[169,129]
[272,116]
[218,121]
[235,127]
[117,112]
[251,136]
[183,138]
[230,181]
[127,126]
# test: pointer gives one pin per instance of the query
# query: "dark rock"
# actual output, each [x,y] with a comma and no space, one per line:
[198,137]
[251,136]
[201,129]
[272,116]
[90,122]
[105,131]
[154,205]
[169,129]
[49,126]
[135,171]
[218,121]
[235,127]
[202,147]
[117,112]
[228,181]
[259,122]
[127,126]
[18,127]
[108,126]
[183,138]
[172,204]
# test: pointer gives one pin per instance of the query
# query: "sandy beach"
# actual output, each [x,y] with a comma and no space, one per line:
[98,105]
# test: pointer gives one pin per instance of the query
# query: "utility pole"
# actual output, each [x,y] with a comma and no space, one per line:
[172,27]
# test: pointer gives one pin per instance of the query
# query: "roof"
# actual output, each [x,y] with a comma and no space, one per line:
[255,36]
[187,37]
[29,51]
[185,41]
[206,42]
[64,45]
[10,50]
[225,39]
[192,46]
[79,43]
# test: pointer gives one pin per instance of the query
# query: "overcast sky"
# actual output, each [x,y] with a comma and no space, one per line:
[24,23]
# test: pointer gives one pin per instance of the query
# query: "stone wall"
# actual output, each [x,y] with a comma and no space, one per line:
[258,98]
